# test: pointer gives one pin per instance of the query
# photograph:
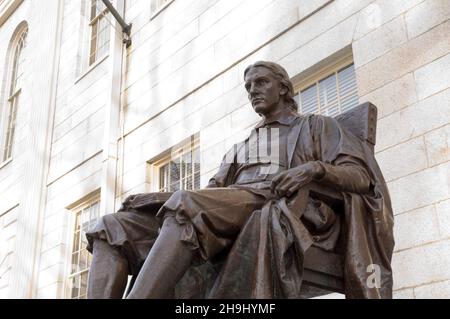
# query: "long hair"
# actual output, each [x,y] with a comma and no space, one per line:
[281,74]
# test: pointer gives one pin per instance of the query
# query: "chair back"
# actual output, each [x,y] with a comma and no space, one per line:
[362,122]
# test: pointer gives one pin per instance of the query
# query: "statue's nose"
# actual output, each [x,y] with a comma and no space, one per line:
[253,89]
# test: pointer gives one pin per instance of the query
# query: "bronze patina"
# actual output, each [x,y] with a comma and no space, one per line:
[254,229]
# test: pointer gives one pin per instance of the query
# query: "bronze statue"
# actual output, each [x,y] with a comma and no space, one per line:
[252,225]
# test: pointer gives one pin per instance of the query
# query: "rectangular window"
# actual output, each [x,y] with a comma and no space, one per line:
[178,169]
[85,216]
[156,6]
[99,30]
[331,91]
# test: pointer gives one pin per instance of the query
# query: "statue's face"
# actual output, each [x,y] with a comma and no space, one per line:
[264,90]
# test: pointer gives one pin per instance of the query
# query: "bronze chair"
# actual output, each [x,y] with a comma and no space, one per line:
[323,271]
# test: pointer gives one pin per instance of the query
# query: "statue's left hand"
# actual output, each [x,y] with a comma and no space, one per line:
[288,182]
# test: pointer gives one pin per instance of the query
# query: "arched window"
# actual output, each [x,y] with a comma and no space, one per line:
[13,91]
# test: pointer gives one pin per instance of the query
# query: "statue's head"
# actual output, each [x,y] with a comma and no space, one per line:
[268,86]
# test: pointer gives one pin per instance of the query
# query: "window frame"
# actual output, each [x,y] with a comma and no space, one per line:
[6,254]
[94,22]
[84,66]
[181,149]
[12,94]
[73,210]
[322,73]
[157,10]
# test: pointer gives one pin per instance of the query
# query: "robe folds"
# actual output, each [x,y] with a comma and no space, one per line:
[266,259]
[266,237]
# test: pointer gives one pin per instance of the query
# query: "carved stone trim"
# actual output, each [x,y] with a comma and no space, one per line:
[7,7]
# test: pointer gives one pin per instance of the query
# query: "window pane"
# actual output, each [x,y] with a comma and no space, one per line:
[16,79]
[83,260]
[103,37]
[76,241]
[347,80]
[85,218]
[196,163]
[175,170]
[93,50]
[74,263]
[182,172]
[348,89]
[196,156]
[78,221]
[187,170]
[85,215]
[18,63]
[83,284]
[329,96]
[334,94]
[308,98]
[83,242]
[164,178]
[94,214]
[99,31]
[14,71]
[9,139]
[349,102]
[188,183]
[197,178]
[75,287]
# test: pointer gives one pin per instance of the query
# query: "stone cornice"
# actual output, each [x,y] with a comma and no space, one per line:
[7,7]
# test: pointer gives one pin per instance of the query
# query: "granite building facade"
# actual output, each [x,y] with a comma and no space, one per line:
[85,121]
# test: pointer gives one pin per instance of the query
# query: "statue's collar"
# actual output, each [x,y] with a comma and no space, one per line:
[285,118]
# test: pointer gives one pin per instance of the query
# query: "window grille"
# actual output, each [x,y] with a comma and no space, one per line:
[86,217]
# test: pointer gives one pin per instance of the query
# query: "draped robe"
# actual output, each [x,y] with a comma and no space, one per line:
[266,259]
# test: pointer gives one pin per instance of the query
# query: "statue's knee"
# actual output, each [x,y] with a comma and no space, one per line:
[182,194]
[110,219]
[106,218]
